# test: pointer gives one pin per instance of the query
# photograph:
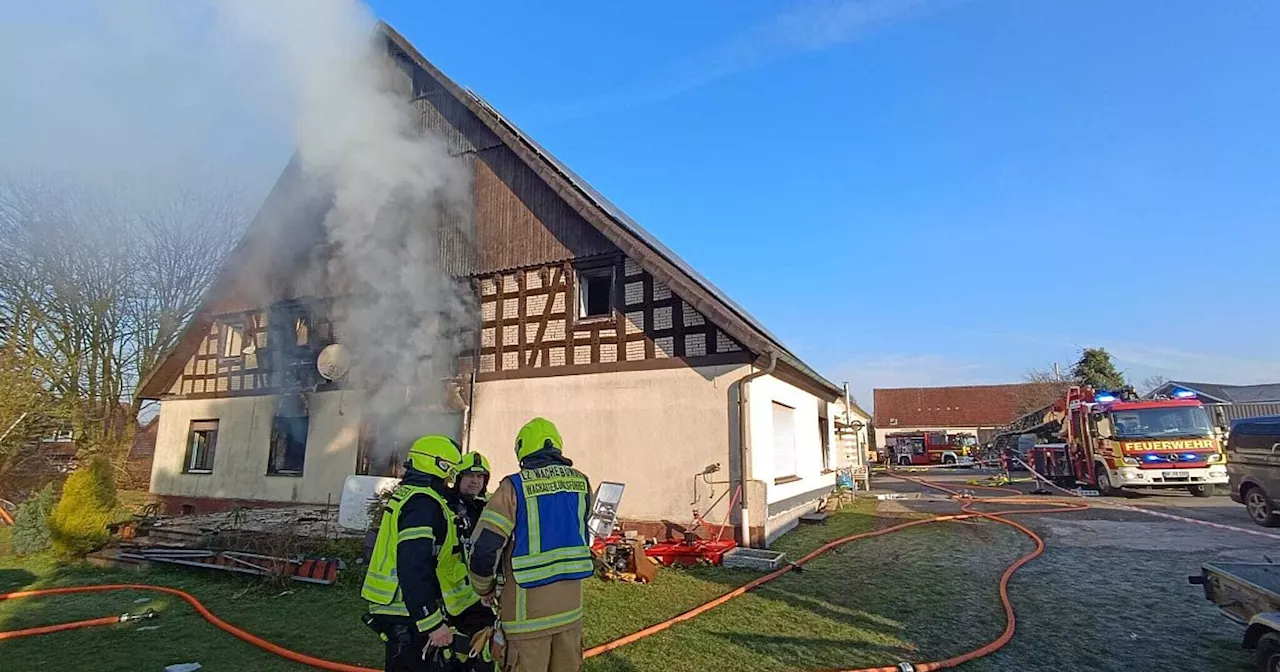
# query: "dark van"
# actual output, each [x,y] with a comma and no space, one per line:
[1253,467]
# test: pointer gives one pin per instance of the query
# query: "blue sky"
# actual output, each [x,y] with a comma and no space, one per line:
[918,193]
[907,192]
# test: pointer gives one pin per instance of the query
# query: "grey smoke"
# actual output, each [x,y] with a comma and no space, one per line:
[394,191]
[132,89]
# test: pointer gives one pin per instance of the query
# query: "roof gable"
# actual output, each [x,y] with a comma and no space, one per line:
[624,232]
[461,109]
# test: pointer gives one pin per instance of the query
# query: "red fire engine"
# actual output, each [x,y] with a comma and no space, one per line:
[1115,440]
[931,448]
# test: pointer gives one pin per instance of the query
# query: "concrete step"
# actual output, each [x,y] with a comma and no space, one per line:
[814,518]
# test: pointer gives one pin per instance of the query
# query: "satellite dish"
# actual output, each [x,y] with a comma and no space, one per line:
[333,362]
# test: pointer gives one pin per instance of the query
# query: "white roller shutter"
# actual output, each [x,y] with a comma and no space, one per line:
[784,441]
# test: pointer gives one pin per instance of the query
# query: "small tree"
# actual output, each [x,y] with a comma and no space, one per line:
[78,523]
[31,522]
[1095,369]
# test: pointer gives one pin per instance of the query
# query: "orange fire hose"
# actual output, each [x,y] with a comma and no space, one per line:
[967,512]
[204,612]
[46,629]
[4,515]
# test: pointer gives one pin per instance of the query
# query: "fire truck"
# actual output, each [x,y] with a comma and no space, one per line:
[1114,440]
[923,448]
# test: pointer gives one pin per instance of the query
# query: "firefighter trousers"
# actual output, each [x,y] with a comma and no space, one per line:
[406,648]
[560,652]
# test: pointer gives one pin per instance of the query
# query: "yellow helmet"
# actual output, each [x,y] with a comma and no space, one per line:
[435,455]
[473,463]
[536,435]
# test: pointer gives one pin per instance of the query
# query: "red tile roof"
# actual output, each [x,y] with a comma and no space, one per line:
[966,406]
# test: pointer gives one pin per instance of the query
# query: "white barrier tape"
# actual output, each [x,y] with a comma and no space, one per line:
[1149,512]
[927,467]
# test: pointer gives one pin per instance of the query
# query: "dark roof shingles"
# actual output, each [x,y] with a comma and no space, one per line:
[1237,394]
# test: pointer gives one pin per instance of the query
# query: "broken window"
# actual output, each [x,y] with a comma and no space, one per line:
[302,331]
[201,442]
[595,292]
[232,340]
[288,445]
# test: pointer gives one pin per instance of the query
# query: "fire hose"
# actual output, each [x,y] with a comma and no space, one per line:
[189,599]
[1014,497]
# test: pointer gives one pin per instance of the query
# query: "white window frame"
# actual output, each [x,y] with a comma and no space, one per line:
[785,465]
[191,455]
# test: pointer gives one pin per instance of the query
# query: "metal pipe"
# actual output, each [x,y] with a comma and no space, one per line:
[744,470]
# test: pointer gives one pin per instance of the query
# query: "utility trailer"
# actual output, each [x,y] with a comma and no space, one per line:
[1249,594]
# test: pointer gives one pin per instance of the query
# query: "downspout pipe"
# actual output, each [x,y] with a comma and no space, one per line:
[744,470]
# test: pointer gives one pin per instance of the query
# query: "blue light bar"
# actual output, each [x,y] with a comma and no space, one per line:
[1103,397]
[1151,457]
[1182,393]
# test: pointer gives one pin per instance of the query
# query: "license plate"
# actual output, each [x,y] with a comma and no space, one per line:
[1177,474]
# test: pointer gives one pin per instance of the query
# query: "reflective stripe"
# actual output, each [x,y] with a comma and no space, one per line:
[397,609]
[558,555]
[430,622]
[522,605]
[544,622]
[568,567]
[535,525]
[377,589]
[460,599]
[416,533]
[497,520]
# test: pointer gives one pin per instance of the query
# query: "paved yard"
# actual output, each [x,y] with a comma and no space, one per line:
[1110,592]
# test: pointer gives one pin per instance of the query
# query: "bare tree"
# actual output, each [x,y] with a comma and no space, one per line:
[1151,383]
[1041,387]
[96,283]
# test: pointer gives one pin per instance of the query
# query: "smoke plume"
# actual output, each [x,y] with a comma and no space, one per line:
[232,87]
[394,191]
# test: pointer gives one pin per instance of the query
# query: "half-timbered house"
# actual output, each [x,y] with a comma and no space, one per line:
[654,377]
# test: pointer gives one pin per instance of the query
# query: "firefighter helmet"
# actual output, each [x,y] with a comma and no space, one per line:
[473,463]
[538,434]
[435,455]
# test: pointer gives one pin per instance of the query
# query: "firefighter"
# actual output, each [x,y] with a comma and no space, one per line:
[535,526]
[473,626]
[473,485]
[417,574]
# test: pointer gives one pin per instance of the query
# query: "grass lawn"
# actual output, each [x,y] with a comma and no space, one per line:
[922,594]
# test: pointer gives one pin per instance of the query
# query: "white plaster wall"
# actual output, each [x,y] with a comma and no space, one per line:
[763,393]
[653,430]
[240,456]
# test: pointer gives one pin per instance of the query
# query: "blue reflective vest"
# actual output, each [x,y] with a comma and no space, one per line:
[550,541]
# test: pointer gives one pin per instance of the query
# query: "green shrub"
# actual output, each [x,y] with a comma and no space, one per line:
[31,522]
[78,523]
